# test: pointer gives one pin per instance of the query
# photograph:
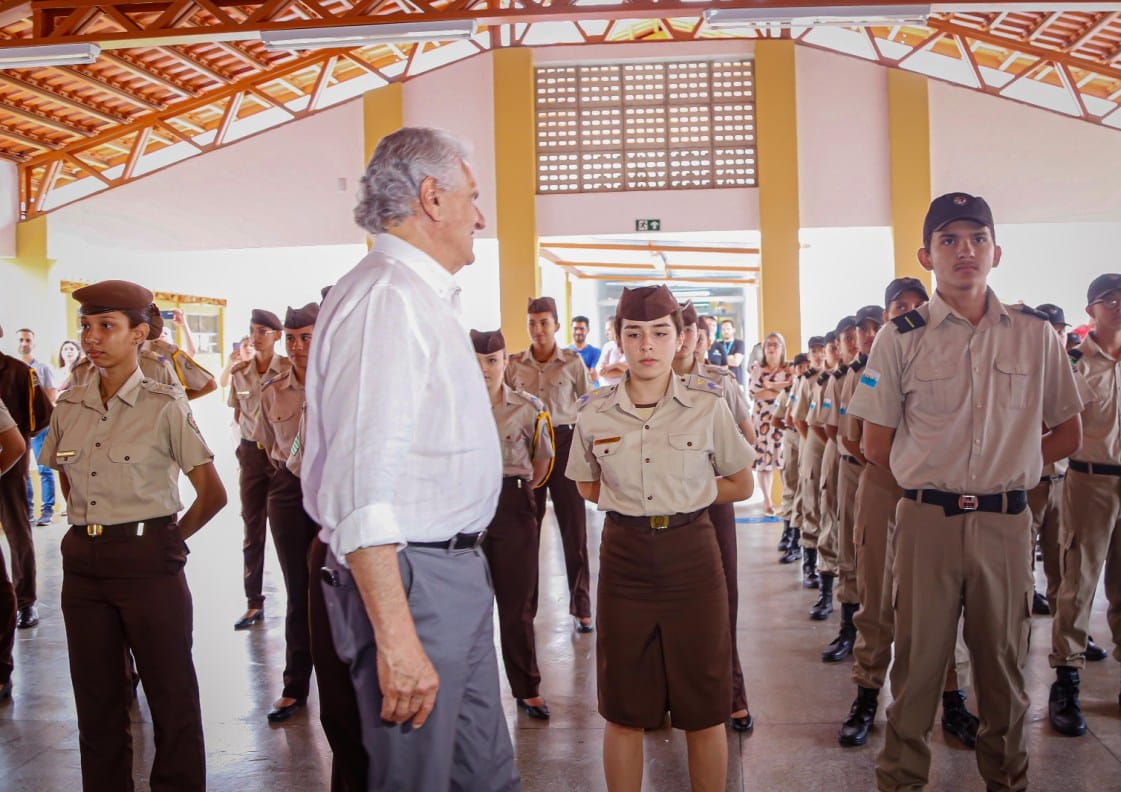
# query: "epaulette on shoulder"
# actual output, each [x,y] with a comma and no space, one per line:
[1027,309]
[810,373]
[152,354]
[75,393]
[529,397]
[274,378]
[571,353]
[171,391]
[595,395]
[858,364]
[697,382]
[912,320]
[241,365]
[840,372]
[824,378]
[1075,355]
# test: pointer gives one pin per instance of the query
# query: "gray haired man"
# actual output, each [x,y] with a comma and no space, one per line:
[403,472]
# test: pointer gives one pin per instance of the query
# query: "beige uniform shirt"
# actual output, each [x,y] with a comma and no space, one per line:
[245,390]
[660,465]
[851,427]
[190,374]
[1101,420]
[6,419]
[820,399]
[278,422]
[123,459]
[803,396]
[968,403]
[296,452]
[558,382]
[152,366]
[724,383]
[525,431]
[831,412]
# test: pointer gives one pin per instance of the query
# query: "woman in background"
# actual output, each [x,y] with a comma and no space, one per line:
[68,354]
[765,382]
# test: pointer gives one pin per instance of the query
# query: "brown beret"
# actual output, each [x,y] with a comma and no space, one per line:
[155,322]
[115,295]
[646,303]
[542,305]
[688,313]
[296,318]
[265,319]
[487,343]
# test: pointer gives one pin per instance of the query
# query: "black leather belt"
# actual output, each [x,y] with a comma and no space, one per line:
[1056,477]
[953,503]
[1095,468]
[564,427]
[654,523]
[514,481]
[123,530]
[461,541]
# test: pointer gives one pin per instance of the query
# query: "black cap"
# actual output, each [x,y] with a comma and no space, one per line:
[265,319]
[900,285]
[800,358]
[848,323]
[1103,285]
[831,337]
[870,313]
[947,208]
[816,341]
[1054,313]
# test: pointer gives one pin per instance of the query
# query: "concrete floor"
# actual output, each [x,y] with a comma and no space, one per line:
[797,701]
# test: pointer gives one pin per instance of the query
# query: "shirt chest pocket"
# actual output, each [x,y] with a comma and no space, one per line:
[1013,383]
[514,448]
[937,389]
[693,454]
[129,464]
[608,454]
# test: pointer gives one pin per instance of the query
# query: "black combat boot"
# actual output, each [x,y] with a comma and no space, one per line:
[784,542]
[824,605]
[1063,709]
[854,731]
[794,552]
[957,720]
[842,644]
[809,568]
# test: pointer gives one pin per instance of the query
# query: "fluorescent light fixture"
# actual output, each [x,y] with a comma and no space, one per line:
[49,55]
[367,35]
[815,16]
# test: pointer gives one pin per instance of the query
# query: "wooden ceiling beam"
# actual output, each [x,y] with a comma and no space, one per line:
[115,90]
[146,73]
[1104,21]
[48,95]
[43,120]
[195,64]
[27,140]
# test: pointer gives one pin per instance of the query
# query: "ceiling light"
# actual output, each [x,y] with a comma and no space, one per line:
[368,35]
[49,55]
[816,16]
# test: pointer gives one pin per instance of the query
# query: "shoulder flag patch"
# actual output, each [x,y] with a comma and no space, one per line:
[870,377]
[909,321]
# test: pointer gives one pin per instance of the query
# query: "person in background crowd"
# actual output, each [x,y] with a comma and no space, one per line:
[194,379]
[243,354]
[612,365]
[733,349]
[715,355]
[69,353]
[26,342]
[766,381]
[589,353]
[790,509]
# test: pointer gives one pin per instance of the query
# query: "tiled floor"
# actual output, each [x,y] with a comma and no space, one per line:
[797,701]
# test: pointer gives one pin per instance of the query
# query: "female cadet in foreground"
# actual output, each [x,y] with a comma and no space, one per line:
[119,442]
[654,452]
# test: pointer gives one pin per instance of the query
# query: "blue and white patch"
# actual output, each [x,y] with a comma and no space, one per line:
[827,405]
[870,377]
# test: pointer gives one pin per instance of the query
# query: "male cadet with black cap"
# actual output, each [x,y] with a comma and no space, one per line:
[876,497]
[1091,539]
[804,543]
[276,428]
[954,399]
[31,409]
[791,507]
[558,378]
[256,472]
[825,416]
[513,538]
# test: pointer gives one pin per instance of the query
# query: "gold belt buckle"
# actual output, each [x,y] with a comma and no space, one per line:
[95,530]
[659,522]
[968,502]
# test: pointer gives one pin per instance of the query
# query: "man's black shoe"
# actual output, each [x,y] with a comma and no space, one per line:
[957,720]
[1063,709]
[251,617]
[1094,653]
[1039,605]
[854,731]
[28,617]
[533,711]
[283,712]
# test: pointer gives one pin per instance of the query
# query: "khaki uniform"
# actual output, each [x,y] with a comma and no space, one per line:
[809,460]
[1091,538]
[663,639]
[791,442]
[967,404]
[848,478]
[824,408]
[559,383]
[1046,503]
[255,472]
[123,583]
[190,374]
[513,537]
[8,609]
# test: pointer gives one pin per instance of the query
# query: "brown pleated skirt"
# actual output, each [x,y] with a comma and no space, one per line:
[662,642]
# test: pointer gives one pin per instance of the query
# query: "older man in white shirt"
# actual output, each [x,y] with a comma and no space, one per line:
[402,468]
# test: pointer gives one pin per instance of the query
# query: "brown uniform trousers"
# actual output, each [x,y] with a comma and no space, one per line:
[827,511]
[809,487]
[292,534]
[17,527]
[511,547]
[119,592]
[1091,540]
[723,517]
[255,476]
[981,561]
[1046,503]
[791,502]
[848,478]
[338,706]
[568,505]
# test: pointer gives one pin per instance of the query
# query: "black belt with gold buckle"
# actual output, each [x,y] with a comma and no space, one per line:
[954,503]
[654,523]
[122,530]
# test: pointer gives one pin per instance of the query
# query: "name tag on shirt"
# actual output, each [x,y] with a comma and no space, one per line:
[604,440]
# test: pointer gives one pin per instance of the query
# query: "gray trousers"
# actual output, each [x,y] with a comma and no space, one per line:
[465,744]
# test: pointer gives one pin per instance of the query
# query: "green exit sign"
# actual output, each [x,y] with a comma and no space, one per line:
[647,225]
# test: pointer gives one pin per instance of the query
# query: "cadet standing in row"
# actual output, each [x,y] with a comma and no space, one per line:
[119,443]
[513,538]
[789,508]
[809,468]
[954,398]
[12,451]
[558,378]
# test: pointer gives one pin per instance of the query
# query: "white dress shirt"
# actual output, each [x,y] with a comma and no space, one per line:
[400,444]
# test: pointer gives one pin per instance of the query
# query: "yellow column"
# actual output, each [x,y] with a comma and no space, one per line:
[382,113]
[27,287]
[909,131]
[777,145]
[515,170]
